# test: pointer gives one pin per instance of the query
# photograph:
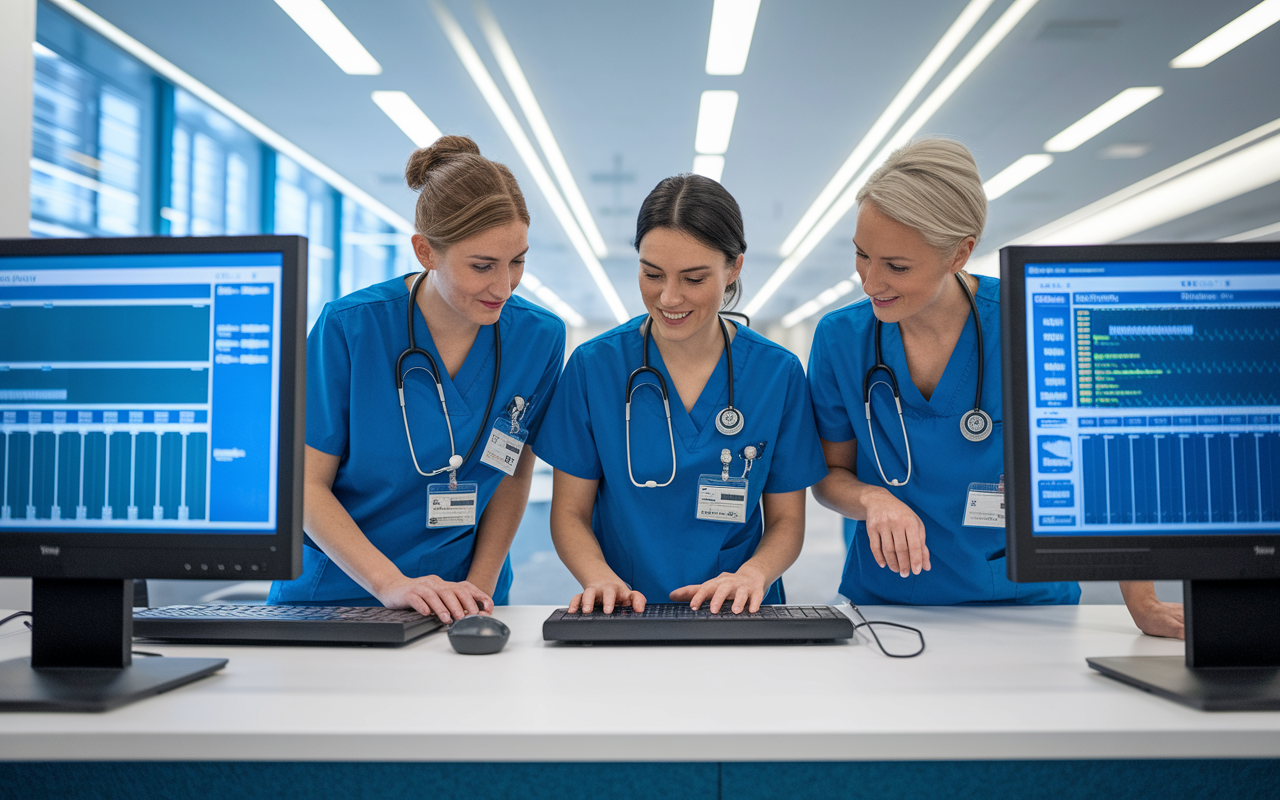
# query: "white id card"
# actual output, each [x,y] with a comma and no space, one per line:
[722,500]
[984,507]
[447,507]
[503,447]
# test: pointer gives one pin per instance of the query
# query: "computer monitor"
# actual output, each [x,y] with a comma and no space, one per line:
[1142,442]
[151,426]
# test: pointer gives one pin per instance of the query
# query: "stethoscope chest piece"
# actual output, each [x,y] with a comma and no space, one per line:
[730,421]
[975,425]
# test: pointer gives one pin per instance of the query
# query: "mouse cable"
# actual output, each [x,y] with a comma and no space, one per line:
[15,616]
[868,624]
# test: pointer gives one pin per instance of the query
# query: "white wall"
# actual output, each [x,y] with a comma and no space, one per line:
[17,73]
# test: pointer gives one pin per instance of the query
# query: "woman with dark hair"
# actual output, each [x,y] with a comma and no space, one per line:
[682,443]
[408,382]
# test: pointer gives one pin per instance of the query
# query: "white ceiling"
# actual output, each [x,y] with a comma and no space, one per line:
[619,84]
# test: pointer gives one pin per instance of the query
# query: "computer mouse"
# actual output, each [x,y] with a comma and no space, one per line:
[478,635]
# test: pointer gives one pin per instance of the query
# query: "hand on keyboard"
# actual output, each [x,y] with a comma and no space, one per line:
[746,588]
[609,592]
[431,594]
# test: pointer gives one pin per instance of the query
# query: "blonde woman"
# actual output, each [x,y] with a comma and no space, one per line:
[929,334]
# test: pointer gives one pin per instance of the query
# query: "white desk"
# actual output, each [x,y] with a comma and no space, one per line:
[994,683]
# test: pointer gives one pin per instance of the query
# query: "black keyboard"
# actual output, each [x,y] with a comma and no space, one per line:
[677,623]
[287,625]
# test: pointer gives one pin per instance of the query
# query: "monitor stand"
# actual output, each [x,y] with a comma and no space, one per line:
[81,652]
[1233,650]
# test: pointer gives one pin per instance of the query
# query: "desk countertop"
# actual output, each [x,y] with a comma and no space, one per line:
[994,683]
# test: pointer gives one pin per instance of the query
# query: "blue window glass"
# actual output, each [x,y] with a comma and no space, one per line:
[215,166]
[372,251]
[306,205]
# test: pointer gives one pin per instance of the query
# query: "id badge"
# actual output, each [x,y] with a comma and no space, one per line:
[503,447]
[984,507]
[447,507]
[721,500]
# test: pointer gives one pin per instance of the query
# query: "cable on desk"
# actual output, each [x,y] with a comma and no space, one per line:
[15,616]
[866,623]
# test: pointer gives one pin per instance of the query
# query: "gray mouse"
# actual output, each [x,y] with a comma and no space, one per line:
[478,635]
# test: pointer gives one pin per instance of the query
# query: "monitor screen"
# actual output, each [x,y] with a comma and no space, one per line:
[141,393]
[1146,399]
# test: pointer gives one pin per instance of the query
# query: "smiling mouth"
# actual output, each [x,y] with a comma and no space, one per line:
[674,317]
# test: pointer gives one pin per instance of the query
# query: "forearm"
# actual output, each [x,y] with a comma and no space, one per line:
[576,542]
[498,526]
[783,535]
[330,526]
[843,492]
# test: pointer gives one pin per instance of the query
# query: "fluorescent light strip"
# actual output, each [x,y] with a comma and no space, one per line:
[327,31]
[1103,117]
[715,121]
[1230,36]
[541,130]
[507,118]
[1256,233]
[408,117]
[979,52]
[733,22]
[42,51]
[270,138]
[1015,174]
[710,166]
[820,302]
[1228,177]
[562,309]
[905,97]
[83,181]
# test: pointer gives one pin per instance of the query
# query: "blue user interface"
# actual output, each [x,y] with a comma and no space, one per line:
[140,392]
[1154,392]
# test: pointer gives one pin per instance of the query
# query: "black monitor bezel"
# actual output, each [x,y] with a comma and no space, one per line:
[1072,558]
[46,553]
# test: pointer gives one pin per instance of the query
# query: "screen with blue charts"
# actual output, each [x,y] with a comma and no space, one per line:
[1155,397]
[140,392]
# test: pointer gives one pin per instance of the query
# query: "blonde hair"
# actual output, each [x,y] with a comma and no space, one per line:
[460,192]
[931,185]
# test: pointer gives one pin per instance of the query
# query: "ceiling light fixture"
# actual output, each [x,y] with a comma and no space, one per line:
[42,51]
[507,119]
[1103,117]
[897,107]
[1256,233]
[541,130]
[1014,174]
[820,302]
[562,309]
[715,121]
[733,22]
[962,70]
[1230,36]
[326,30]
[709,166]
[408,117]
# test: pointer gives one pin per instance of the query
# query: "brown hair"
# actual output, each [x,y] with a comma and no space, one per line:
[460,192]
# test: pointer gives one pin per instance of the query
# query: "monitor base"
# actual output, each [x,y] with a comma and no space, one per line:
[23,688]
[1205,688]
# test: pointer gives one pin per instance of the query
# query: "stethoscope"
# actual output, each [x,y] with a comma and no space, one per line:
[975,425]
[729,421]
[455,461]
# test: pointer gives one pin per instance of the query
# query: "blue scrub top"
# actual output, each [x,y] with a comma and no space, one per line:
[651,537]
[968,563]
[353,411]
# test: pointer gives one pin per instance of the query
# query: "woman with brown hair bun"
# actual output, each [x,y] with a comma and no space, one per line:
[424,397]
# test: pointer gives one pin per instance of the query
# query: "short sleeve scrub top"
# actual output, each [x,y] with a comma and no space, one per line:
[968,562]
[353,411]
[651,537]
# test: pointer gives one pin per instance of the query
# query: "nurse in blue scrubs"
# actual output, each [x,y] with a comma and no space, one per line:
[921,487]
[418,457]
[703,502]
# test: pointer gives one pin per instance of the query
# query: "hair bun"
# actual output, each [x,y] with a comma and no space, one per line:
[425,159]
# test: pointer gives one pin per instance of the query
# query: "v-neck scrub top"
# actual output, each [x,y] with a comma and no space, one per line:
[353,411]
[651,537]
[968,563]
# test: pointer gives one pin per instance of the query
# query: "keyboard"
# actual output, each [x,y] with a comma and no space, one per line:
[670,623]
[282,625]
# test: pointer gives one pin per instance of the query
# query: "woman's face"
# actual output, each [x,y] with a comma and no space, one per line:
[476,276]
[682,282]
[900,271]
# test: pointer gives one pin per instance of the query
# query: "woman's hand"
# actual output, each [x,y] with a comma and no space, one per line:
[896,533]
[609,592]
[746,587]
[434,595]
[1153,617]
